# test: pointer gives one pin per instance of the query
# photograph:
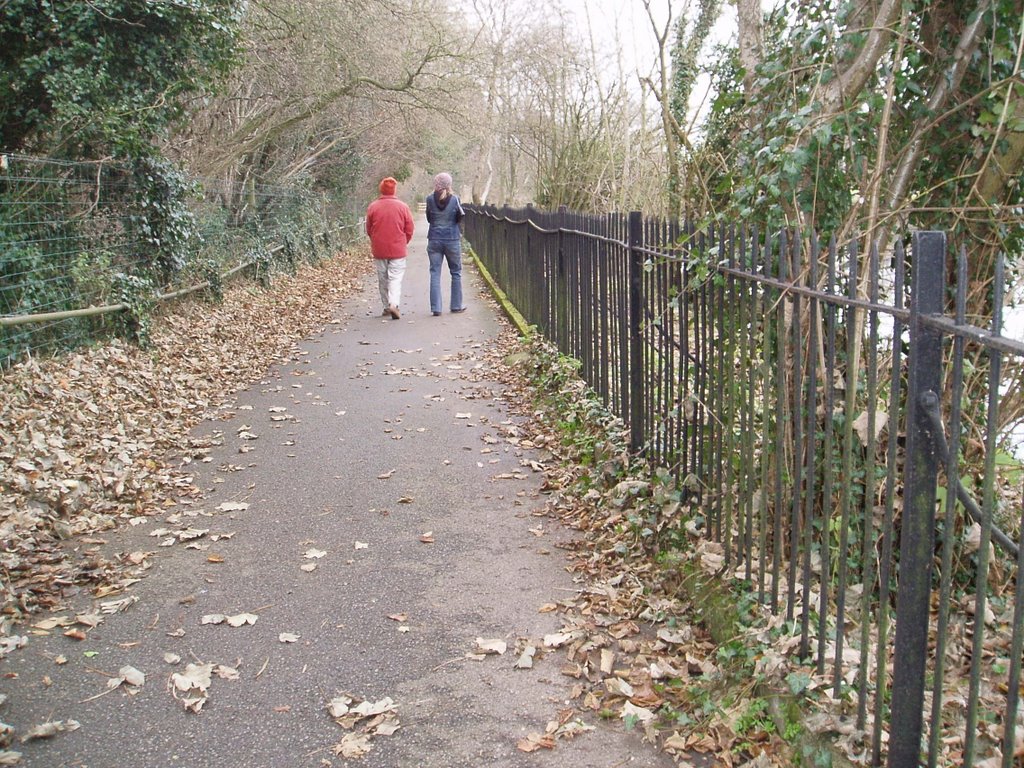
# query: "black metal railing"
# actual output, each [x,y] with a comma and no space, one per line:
[812,399]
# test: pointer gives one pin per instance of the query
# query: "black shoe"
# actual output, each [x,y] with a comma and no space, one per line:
[456,311]
[436,314]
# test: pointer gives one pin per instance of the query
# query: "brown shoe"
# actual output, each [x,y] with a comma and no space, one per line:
[393,311]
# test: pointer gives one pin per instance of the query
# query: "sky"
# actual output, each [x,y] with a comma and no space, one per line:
[624,25]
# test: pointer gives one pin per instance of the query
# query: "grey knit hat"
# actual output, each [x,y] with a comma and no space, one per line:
[442,182]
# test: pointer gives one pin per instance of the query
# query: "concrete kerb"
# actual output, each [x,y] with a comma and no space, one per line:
[524,328]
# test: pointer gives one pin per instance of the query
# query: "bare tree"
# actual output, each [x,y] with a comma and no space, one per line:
[326,84]
[678,47]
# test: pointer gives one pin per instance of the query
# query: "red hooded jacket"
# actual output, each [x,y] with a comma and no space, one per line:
[389,225]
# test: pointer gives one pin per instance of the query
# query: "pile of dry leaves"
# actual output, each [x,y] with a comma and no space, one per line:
[92,439]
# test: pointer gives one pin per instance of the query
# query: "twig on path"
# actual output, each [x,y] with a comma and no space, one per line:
[244,495]
[446,663]
[103,693]
[265,663]
[156,620]
[87,668]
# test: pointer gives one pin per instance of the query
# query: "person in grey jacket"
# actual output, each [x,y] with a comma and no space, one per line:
[444,242]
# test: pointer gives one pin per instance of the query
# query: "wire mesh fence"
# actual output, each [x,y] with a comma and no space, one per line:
[81,241]
[801,395]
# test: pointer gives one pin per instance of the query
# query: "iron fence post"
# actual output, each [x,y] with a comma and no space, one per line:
[556,308]
[636,357]
[917,536]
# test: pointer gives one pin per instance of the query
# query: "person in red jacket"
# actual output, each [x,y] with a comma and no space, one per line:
[389,225]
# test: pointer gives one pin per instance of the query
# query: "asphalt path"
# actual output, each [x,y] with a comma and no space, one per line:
[382,455]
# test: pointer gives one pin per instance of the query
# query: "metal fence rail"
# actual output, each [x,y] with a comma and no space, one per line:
[771,376]
[70,231]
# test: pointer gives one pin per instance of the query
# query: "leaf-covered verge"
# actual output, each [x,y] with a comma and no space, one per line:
[651,639]
[96,439]
[664,636]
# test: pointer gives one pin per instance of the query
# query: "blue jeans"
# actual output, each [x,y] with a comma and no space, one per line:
[437,253]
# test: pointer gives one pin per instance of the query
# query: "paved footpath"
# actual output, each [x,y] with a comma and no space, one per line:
[376,434]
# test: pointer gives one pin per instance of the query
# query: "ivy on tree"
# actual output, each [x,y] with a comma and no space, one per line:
[108,76]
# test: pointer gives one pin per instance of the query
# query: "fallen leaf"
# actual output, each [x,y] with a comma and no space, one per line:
[535,741]
[288,637]
[232,506]
[119,606]
[642,714]
[427,538]
[224,672]
[676,742]
[491,646]
[314,554]
[353,745]
[386,727]
[192,684]
[52,728]
[242,619]
[526,659]
[557,639]
[308,567]
[131,676]
[572,729]
[338,706]
[361,545]
[371,708]
[676,636]
[618,687]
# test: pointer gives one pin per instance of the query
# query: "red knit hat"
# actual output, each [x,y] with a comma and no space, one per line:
[388,186]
